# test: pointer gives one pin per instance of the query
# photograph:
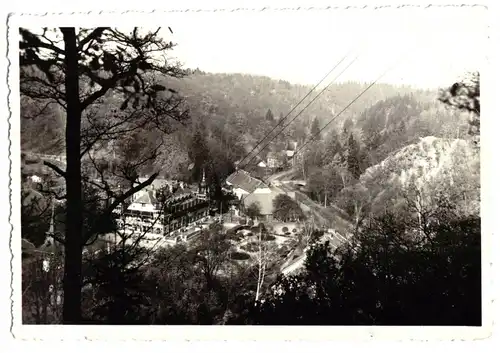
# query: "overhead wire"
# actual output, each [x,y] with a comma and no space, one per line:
[348,105]
[309,104]
[295,106]
[312,101]
[337,115]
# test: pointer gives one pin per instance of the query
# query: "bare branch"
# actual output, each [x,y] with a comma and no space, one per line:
[106,85]
[55,168]
[58,238]
[96,33]
[119,200]
[34,40]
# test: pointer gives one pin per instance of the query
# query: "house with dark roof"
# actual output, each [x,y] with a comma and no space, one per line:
[242,183]
[252,190]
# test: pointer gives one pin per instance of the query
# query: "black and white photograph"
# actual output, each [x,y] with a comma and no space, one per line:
[248,168]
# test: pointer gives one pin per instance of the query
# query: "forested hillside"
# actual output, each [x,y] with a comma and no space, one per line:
[383,227]
[246,107]
[232,112]
[228,114]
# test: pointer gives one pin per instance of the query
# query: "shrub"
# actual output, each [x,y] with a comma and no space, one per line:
[250,223]
[284,229]
[233,235]
[251,247]
[268,237]
[239,256]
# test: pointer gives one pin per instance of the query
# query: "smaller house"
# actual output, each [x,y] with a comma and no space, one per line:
[242,183]
[291,152]
[274,159]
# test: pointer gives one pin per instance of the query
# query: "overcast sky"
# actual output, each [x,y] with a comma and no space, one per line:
[424,47]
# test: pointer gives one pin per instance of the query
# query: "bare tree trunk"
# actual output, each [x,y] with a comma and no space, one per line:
[418,204]
[257,292]
[304,167]
[262,269]
[357,212]
[74,219]
[45,303]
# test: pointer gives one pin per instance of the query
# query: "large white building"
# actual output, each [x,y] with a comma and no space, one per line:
[173,216]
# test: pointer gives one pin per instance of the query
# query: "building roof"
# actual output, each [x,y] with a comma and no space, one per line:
[243,180]
[147,197]
[265,201]
[156,184]
[180,195]
[275,155]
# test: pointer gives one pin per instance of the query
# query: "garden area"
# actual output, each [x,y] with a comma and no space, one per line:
[244,237]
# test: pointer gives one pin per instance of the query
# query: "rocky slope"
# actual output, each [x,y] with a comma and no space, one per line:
[431,167]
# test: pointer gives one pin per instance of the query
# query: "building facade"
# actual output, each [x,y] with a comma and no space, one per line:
[263,198]
[251,190]
[162,212]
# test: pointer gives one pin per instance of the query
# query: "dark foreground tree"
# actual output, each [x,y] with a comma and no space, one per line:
[465,95]
[387,278]
[77,69]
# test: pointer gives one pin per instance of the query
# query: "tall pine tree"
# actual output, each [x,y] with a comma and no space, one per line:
[199,153]
[315,129]
[269,115]
[78,70]
[353,157]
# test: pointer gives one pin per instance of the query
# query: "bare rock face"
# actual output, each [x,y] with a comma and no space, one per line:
[433,166]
